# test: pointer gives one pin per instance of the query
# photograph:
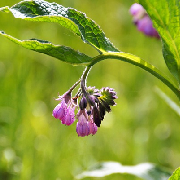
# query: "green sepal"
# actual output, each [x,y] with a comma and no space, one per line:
[107,98]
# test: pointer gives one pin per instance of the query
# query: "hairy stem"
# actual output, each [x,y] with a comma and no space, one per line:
[83,79]
[140,63]
[74,85]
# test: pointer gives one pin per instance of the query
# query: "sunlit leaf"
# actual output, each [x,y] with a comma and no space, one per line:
[165,15]
[175,175]
[62,53]
[145,171]
[76,21]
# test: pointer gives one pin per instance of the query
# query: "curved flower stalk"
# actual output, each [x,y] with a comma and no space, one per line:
[143,21]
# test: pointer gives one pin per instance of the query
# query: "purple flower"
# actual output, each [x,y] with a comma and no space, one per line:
[145,25]
[59,111]
[69,118]
[136,9]
[65,109]
[82,127]
[143,21]
[92,126]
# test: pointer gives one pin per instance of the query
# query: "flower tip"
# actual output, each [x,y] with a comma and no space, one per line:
[135,9]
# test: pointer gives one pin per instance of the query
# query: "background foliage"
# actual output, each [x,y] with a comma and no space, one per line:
[34,145]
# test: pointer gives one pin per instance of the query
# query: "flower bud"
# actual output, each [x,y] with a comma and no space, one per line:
[83,103]
[143,21]
[102,111]
[91,100]
[96,116]
[136,9]
[145,25]
[89,112]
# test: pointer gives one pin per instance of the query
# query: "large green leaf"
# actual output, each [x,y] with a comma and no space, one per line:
[145,171]
[76,21]
[165,15]
[62,53]
[175,175]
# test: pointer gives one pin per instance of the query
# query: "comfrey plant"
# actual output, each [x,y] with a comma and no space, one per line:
[92,103]
[155,18]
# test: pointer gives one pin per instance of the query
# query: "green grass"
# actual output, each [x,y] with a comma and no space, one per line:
[35,146]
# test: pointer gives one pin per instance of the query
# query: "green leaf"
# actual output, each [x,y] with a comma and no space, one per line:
[175,175]
[76,21]
[165,15]
[145,171]
[62,53]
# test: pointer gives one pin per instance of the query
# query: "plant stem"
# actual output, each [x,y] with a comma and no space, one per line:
[126,57]
[74,85]
[83,79]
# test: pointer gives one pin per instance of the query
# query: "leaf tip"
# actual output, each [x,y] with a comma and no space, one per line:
[2,32]
[5,9]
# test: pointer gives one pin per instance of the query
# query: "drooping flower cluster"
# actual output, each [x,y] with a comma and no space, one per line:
[91,110]
[143,21]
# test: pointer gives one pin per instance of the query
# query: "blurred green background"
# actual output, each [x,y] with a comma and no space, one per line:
[36,146]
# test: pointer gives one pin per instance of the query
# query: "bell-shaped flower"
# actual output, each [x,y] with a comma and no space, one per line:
[59,111]
[65,109]
[145,25]
[143,21]
[82,127]
[69,118]
[92,126]
[136,9]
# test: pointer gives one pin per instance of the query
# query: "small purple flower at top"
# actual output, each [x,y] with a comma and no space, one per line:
[64,111]
[143,21]
[136,9]
[145,25]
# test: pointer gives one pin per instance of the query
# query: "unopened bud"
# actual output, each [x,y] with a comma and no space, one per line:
[96,116]
[88,112]
[91,100]
[83,103]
